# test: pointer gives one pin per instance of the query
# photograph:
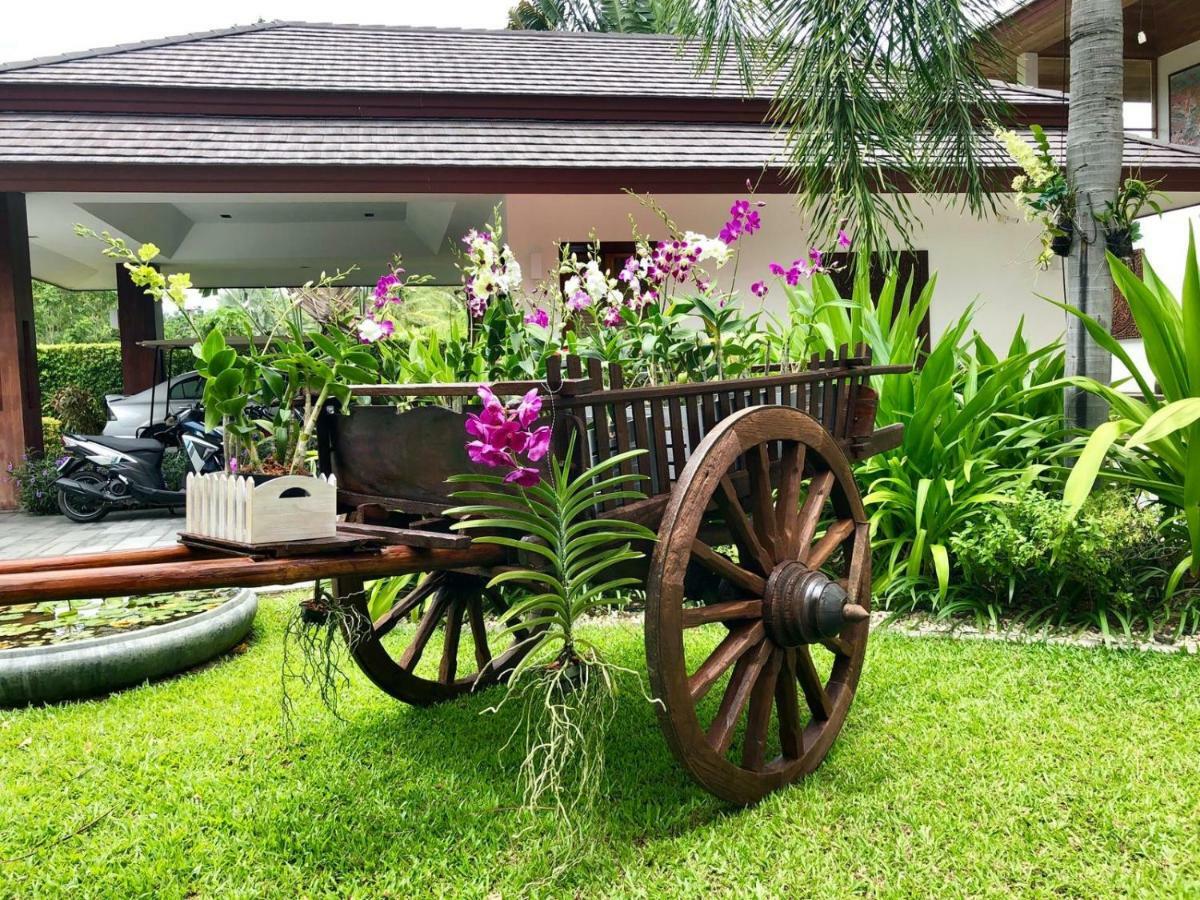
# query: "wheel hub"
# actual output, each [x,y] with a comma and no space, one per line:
[803,606]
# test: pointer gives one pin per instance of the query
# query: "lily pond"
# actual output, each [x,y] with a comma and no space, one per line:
[56,622]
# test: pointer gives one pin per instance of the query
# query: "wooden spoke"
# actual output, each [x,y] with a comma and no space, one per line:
[454,618]
[483,654]
[737,693]
[809,518]
[787,706]
[751,549]
[815,694]
[858,562]
[425,628]
[819,554]
[758,463]
[728,652]
[791,479]
[748,581]
[694,616]
[838,645]
[407,603]
[758,720]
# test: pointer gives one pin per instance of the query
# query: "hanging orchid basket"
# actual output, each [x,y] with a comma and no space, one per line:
[1120,243]
[1064,237]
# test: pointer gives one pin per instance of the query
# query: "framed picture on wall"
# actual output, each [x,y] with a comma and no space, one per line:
[1183,102]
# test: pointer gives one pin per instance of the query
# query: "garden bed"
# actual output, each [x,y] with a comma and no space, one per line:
[61,651]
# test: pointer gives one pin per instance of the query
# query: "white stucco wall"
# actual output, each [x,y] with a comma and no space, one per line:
[1168,64]
[990,262]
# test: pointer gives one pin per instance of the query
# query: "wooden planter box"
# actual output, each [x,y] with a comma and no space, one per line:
[288,508]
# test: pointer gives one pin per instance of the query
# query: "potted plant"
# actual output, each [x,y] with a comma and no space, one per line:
[1119,218]
[1042,192]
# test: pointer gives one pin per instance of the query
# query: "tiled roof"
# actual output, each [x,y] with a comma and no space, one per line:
[221,140]
[311,57]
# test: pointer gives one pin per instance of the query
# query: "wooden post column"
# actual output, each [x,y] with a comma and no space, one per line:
[20,399]
[139,318]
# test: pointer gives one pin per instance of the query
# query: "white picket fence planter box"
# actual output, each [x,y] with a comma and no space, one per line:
[289,508]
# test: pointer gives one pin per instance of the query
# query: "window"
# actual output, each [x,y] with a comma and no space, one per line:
[188,388]
[913,266]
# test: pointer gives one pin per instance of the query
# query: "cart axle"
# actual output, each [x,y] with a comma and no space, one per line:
[804,606]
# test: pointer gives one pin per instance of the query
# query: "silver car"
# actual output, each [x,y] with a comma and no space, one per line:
[127,416]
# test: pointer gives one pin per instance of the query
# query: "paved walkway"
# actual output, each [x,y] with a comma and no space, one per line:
[23,536]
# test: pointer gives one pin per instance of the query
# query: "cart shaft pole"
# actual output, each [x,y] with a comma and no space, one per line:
[199,572]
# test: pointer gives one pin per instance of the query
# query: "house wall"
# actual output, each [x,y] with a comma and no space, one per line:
[989,262]
[1168,64]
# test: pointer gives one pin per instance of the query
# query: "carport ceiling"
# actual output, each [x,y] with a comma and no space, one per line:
[253,241]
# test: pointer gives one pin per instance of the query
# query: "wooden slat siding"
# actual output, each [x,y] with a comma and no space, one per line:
[620,417]
[645,465]
[852,395]
[695,432]
[600,430]
[818,373]
[841,389]
[828,397]
[679,453]
[815,389]
[658,438]
[709,405]
[583,452]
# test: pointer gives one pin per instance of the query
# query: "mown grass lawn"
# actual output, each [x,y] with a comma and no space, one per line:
[966,768]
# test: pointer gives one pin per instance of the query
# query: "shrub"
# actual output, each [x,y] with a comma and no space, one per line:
[78,410]
[1036,560]
[35,477]
[93,367]
[52,437]
[174,469]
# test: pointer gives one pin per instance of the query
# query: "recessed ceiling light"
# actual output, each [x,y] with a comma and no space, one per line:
[226,215]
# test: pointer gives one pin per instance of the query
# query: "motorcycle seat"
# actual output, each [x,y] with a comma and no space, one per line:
[126,445]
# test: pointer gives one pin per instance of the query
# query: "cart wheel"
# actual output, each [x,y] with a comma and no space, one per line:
[449,601]
[773,483]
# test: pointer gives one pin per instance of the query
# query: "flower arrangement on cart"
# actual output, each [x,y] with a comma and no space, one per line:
[599,432]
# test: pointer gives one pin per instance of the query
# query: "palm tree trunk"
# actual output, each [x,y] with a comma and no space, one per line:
[1095,140]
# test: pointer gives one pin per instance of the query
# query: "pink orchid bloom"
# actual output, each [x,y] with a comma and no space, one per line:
[484,455]
[843,239]
[525,476]
[538,317]
[739,208]
[529,409]
[776,269]
[538,444]
[752,223]
[759,289]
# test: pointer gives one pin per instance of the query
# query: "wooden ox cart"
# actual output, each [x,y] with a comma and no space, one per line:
[761,465]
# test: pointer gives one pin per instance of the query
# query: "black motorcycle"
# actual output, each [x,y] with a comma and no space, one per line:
[99,473]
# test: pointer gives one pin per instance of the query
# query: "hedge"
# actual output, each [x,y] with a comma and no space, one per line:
[96,367]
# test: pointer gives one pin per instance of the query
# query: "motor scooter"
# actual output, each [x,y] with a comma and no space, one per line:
[98,474]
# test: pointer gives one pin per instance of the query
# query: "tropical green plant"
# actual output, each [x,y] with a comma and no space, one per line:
[971,437]
[1160,453]
[563,685]
[629,16]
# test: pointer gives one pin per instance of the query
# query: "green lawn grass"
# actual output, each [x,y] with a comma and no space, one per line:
[966,769]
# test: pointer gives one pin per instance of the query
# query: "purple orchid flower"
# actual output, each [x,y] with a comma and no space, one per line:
[759,289]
